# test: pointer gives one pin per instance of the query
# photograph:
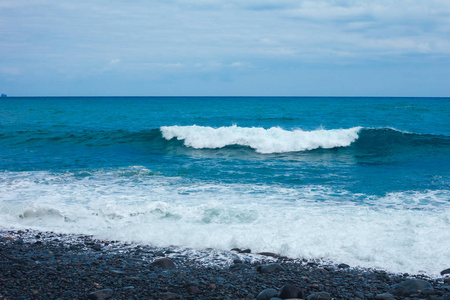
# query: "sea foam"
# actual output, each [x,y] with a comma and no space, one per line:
[272,140]
[303,222]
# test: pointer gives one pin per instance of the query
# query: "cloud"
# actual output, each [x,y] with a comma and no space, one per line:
[150,39]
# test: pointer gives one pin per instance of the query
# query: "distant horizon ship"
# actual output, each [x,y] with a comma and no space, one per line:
[4,96]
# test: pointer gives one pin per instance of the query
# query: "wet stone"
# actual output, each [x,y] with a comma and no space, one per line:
[290,291]
[170,295]
[270,254]
[270,268]
[97,247]
[239,266]
[245,251]
[101,294]
[165,263]
[319,296]
[267,294]
[411,286]
[384,296]
[343,266]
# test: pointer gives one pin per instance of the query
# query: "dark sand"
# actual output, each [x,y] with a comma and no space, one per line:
[37,265]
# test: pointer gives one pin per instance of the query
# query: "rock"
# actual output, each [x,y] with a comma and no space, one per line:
[269,254]
[192,289]
[446,271]
[289,291]
[101,294]
[266,294]
[118,272]
[8,238]
[399,291]
[165,263]
[410,286]
[343,266]
[97,247]
[319,296]
[245,251]
[446,287]
[239,267]
[170,295]
[359,295]
[160,253]
[270,268]
[385,296]
[70,295]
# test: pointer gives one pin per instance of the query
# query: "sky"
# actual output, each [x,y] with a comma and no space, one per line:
[225,48]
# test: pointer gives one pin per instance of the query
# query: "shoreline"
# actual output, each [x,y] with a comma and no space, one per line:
[47,265]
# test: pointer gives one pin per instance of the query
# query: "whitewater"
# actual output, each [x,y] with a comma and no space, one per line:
[362,181]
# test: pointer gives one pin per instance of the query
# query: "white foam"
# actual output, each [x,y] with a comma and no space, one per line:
[272,140]
[396,232]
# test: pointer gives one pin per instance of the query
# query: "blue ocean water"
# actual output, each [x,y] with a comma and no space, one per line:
[358,180]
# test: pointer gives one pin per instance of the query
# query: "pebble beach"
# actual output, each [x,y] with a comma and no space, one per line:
[47,265]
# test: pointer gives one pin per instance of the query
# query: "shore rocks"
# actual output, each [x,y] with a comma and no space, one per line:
[319,296]
[54,269]
[446,271]
[290,291]
[267,294]
[164,263]
[101,294]
[410,286]
[270,268]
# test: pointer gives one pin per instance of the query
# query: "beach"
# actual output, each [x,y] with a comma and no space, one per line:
[46,265]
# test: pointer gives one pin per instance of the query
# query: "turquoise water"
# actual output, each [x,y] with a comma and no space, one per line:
[372,173]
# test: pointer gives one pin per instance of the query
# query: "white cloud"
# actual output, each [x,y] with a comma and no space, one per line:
[144,38]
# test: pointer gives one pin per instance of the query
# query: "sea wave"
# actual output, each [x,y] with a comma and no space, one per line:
[272,140]
[261,140]
[278,140]
[393,231]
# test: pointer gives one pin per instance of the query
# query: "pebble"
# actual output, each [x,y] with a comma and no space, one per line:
[170,295]
[343,266]
[270,268]
[52,271]
[165,263]
[290,291]
[319,296]
[410,286]
[267,294]
[97,247]
[245,251]
[270,254]
[101,294]
[239,266]
[384,296]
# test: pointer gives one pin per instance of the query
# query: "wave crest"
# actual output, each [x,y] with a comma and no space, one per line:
[272,140]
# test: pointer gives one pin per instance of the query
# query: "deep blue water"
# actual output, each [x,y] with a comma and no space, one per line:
[373,173]
[404,143]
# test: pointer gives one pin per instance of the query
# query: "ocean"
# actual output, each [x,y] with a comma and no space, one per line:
[362,181]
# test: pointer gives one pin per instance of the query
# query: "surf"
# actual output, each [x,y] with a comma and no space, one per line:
[272,140]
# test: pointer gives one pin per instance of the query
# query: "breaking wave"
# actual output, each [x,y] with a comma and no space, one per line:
[272,140]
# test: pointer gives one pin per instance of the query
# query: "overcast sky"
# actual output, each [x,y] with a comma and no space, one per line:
[225,47]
